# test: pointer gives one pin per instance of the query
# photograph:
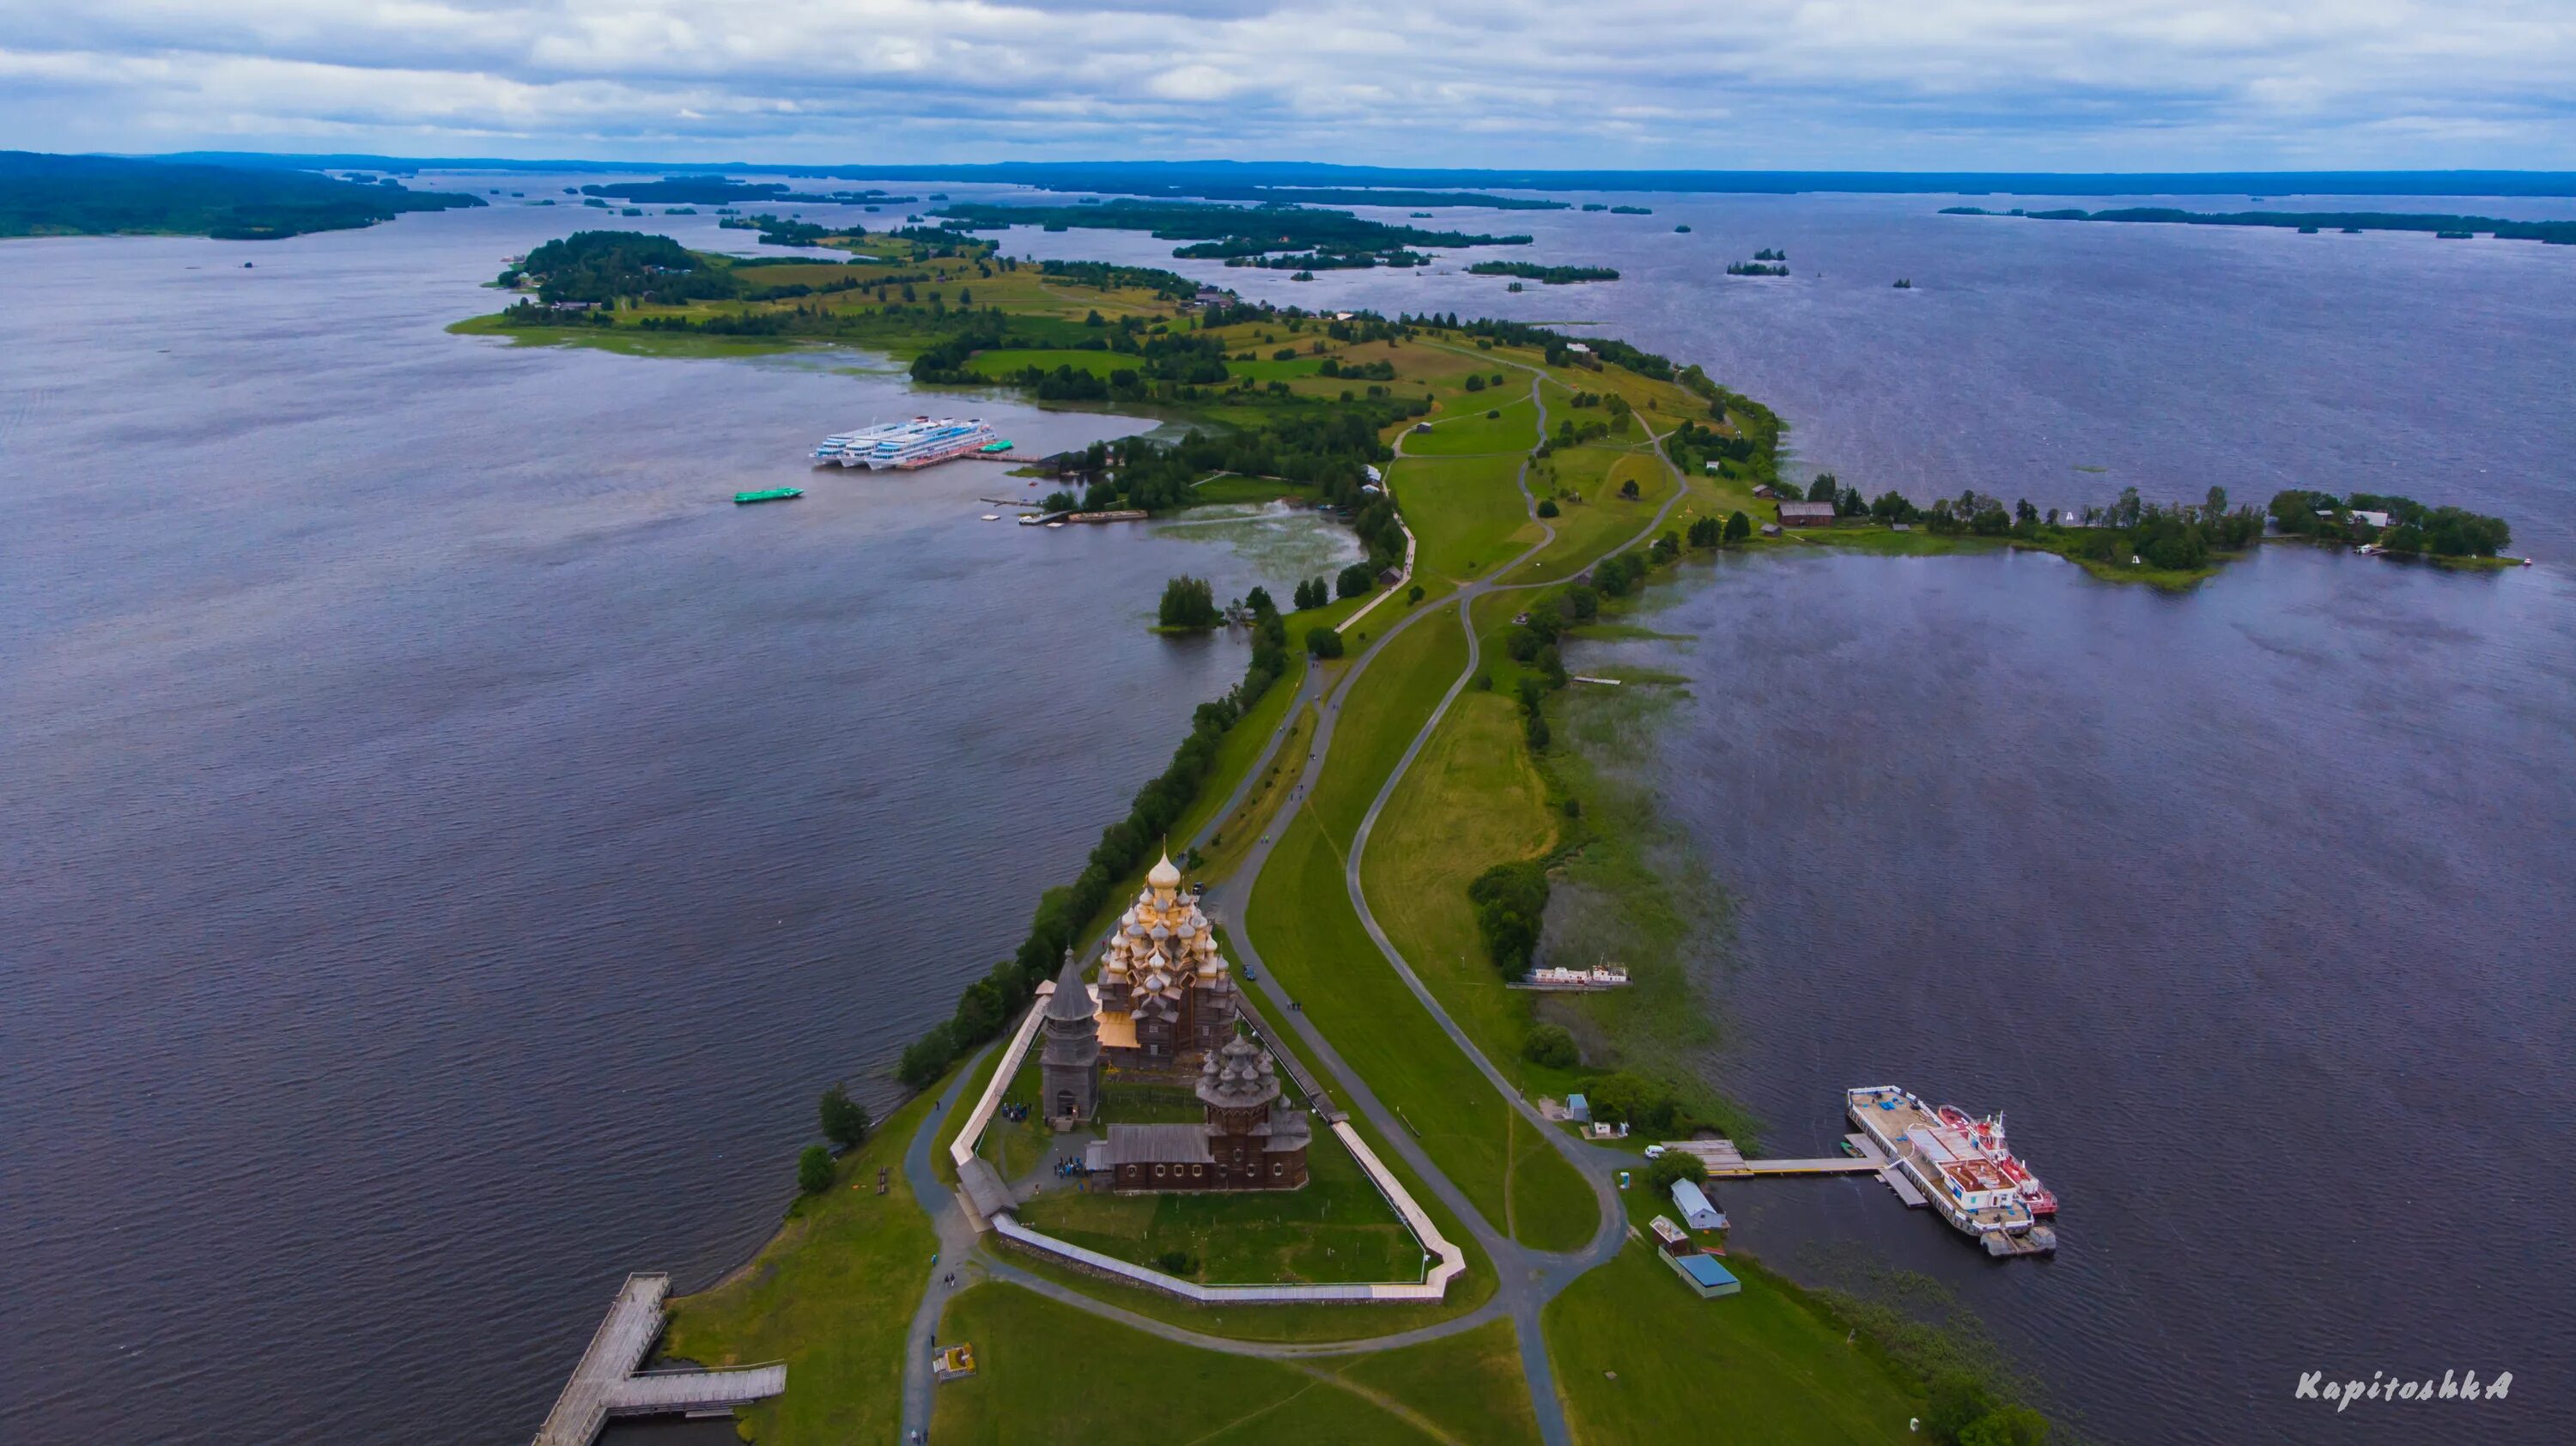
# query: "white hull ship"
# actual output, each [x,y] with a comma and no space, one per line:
[902,446]
[1962,1166]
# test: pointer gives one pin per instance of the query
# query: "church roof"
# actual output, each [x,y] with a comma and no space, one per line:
[1071,1001]
[1158,1145]
[1237,1075]
[1164,875]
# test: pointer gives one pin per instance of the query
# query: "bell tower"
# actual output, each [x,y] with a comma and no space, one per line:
[1070,1064]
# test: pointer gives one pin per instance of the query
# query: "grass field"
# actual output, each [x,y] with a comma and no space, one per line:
[1467,512]
[1003,363]
[1380,715]
[1588,530]
[831,1295]
[1472,800]
[1467,432]
[1048,1373]
[1301,919]
[1337,1228]
[1636,1352]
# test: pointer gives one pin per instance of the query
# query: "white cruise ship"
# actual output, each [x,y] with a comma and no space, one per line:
[905,445]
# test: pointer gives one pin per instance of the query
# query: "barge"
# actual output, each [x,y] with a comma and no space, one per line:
[1962,1166]
[768,494]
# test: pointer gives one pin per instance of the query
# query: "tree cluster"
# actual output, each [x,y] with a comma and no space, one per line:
[611,266]
[1510,900]
[1188,602]
[2413,527]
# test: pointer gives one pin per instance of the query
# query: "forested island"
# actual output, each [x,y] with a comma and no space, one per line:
[44,195]
[2555,233]
[2168,544]
[1253,234]
[1545,275]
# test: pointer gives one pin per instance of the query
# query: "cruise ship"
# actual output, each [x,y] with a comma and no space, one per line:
[1962,1167]
[905,445]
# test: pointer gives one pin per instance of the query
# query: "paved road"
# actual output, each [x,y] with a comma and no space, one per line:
[1527,1279]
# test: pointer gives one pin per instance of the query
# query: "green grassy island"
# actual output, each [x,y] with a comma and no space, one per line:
[42,195]
[1398,788]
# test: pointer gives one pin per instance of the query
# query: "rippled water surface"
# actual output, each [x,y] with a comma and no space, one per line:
[450,845]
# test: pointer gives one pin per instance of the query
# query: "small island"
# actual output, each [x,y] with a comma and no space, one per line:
[1544,275]
[2349,223]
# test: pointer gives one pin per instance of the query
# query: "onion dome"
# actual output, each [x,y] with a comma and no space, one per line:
[1164,875]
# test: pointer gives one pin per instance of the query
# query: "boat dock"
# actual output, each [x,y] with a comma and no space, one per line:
[1725,1162]
[607,1384]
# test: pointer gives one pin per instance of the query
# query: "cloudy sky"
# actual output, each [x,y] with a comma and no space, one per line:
[1896,84]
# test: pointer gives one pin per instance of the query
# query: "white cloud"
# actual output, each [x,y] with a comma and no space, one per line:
[1863,83]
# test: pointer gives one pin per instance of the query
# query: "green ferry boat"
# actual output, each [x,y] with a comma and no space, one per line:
[768,494]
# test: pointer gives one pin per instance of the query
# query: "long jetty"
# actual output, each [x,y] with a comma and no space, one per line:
[607,1384]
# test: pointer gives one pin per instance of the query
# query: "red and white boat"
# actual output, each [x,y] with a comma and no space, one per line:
[1987,1134]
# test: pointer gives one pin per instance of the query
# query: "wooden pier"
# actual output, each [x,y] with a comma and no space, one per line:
[1725,1162]
[607,1384]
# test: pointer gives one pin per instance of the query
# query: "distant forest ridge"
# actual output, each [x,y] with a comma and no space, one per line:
[42,195]
[2555,233]
[1197,177]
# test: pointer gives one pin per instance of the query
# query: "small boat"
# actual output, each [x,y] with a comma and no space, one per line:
[1055,524]
[768,494]
[992,517]
[994,449]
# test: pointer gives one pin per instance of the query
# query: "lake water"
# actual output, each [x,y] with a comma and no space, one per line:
[452,845]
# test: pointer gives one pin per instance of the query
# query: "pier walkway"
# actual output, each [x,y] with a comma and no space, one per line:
[607,1384]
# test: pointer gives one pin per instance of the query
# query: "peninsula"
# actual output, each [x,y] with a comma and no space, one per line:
[1363,834]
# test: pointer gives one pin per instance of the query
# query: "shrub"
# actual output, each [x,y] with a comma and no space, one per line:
[1673,1167]
[814,1170]
[1550,1045]
[1547,507]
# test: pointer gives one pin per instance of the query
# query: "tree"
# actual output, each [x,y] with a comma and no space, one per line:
[2216,506]
[1672,1167]
[1356,580]
[1188,602]
[1706,531]
[1738,527]
[1551,1046]
[845,1120]
[1824,488]
[926,1058]
[1258,600]
[1475,382]
[1957,1400]
[2025,515]
[1413,594]
[1323,642]
[814,1170]
[1547,507]
[2006,1426]
[1509,901]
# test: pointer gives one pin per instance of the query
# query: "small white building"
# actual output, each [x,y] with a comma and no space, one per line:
[1697,1213]
[1578,348]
